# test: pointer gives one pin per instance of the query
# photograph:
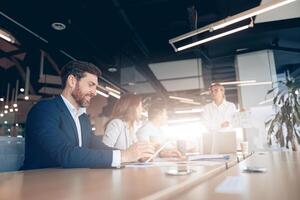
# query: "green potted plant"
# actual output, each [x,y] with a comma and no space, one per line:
[285,124]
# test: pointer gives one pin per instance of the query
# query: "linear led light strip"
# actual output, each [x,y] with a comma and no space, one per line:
[230,20]
[214,37]
[112,90]
[107,95]
[114,95]
[238,82]
[102,93]
[181,98]
[189,111]
[191,102]
[250,13]
[257,83]
[6,36]
[186,120]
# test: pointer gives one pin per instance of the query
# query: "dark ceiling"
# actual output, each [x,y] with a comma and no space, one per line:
[136,32]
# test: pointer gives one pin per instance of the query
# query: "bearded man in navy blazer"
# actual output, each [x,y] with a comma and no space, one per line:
[58,131]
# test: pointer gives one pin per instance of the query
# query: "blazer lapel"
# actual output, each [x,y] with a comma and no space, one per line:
[69,119]
[85,129]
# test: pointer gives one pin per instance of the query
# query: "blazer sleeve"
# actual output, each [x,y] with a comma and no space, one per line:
[43,123]
[96,143]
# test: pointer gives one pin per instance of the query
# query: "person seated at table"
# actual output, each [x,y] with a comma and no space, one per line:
[120,131]
[59,133]
[151,130]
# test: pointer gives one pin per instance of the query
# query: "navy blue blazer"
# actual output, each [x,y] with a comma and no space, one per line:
[51,139]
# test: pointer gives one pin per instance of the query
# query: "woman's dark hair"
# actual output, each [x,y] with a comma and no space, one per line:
[125,108]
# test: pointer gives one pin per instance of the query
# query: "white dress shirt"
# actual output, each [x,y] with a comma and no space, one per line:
[118,135]
[116,160]
[75,115]
[149,132]
[213,115]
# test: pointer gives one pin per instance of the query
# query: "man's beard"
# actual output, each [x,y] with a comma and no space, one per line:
[79,97]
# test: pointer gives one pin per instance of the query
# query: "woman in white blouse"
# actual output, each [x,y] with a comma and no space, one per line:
[119,131]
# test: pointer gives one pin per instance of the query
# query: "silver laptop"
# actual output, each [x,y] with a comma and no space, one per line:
[219,143]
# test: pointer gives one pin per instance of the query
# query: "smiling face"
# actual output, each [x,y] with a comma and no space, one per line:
[217,93]
[85,89]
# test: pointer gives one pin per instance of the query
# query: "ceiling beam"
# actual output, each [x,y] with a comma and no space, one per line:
[142,66]
[4,54]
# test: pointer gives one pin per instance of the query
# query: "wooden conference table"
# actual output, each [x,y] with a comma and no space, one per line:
[280,181]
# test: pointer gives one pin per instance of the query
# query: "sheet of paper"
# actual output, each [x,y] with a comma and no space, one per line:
[232,184]
[172,164]
[208,157]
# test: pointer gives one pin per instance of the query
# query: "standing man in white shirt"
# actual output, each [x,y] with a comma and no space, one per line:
[219,113]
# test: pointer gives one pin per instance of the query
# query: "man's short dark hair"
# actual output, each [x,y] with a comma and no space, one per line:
[78,68]
[215,84]
[155,109]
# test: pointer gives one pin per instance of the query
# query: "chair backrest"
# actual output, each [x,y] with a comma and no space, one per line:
[11,153]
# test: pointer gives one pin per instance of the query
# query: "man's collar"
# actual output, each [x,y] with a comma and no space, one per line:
[72,108]
[222,104]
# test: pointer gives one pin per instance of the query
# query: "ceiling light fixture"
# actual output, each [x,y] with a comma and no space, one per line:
[238,82]
[181,98]
[114,95]
[102,93]
[226,22]
[189,111]
[186,120]
[58,26]
[6,36]
[215,37]
[257,83]
[112,69]
[191,102]
[112,90]
[250,13]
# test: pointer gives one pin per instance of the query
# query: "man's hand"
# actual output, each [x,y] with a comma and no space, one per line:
[225,124]
[136,152]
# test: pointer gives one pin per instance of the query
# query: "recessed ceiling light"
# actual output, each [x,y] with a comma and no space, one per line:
[131,83]
[112,69]
[58,26]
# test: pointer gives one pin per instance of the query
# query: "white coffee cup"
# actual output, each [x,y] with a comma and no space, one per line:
[244,147]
